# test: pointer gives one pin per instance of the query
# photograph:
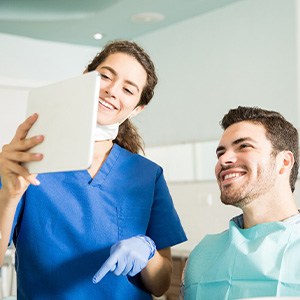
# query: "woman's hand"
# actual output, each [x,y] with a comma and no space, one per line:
[14,177]
[127,257]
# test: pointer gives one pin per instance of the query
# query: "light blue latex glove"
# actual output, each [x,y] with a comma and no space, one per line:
[127,257]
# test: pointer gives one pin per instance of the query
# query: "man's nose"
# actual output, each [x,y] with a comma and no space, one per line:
[228,157]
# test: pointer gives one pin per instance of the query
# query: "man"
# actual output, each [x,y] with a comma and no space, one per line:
[259,255]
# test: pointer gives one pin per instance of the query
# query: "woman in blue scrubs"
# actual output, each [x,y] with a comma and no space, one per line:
[101,233]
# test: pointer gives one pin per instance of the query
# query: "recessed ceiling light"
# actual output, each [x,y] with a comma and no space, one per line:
[147,17]
[98,36]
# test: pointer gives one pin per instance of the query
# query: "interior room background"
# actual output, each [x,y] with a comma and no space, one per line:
[245,53]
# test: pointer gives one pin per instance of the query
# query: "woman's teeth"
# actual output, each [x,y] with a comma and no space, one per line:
[106,104]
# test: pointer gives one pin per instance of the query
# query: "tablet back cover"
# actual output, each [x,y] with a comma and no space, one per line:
[67,118]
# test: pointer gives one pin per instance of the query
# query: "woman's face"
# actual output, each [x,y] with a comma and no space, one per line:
[122,81]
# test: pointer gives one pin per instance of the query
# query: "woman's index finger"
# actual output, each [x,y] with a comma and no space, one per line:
[24,127]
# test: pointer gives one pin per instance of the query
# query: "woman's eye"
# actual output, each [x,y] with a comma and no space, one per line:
[128,91]
[244,146]
[105,76]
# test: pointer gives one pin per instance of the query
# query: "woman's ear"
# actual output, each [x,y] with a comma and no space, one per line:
[136,111]
[287,162]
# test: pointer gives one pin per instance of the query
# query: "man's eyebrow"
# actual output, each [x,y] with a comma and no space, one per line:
[115,73]
[236,142]
[242,140]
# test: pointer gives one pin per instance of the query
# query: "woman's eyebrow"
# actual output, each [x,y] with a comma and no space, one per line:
[109,69]
[116,74]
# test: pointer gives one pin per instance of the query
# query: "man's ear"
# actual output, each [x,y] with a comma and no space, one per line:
[287,162]
[136,111]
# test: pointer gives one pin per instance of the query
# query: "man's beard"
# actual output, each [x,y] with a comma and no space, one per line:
[247,192]
[237,198]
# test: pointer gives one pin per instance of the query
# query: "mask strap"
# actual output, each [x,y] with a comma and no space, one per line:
[128,117]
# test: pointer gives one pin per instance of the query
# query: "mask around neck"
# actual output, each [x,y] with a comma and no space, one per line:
[106,132]
[109,132]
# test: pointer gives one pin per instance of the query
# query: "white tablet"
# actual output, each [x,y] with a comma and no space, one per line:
[67,118]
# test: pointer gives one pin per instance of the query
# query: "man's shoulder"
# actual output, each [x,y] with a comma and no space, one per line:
[209,242]
[205,254]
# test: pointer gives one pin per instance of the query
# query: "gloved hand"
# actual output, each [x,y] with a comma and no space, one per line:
[127,257]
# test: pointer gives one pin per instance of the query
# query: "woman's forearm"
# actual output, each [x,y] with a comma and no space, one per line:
[156,276]
[7,213]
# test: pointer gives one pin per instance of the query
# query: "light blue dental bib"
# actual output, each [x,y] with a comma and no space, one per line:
[241,263]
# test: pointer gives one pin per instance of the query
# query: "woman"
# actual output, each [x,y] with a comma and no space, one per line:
[102,233]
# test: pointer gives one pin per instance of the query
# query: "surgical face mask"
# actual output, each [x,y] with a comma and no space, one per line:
[109,132]
[106,132]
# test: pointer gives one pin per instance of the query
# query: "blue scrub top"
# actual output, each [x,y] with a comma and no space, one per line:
[64,228]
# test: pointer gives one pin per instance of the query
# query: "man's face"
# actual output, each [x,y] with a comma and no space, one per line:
[246,167]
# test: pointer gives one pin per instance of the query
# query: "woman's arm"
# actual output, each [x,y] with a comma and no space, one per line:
[6,219]
[15,179]
[156,276]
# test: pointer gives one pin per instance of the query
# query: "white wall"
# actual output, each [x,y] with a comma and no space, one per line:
[27,63]
[41,61]
[12,112]
[242,54]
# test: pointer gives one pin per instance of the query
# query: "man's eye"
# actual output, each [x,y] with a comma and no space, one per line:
[219,154]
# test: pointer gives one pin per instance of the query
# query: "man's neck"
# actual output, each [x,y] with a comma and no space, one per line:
[265,209]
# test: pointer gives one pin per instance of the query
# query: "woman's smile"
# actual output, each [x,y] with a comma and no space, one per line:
[106,104]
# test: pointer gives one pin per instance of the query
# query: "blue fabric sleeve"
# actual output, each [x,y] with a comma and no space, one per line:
[164,226]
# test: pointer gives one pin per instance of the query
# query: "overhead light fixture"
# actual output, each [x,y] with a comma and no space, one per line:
[147,17]
[98,36]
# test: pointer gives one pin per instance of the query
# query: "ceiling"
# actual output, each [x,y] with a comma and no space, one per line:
[76,21]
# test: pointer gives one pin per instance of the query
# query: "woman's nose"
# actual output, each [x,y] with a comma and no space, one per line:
[111,90]
[107,92]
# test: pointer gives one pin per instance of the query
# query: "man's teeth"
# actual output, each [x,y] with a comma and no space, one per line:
[106,104]
[231,175]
